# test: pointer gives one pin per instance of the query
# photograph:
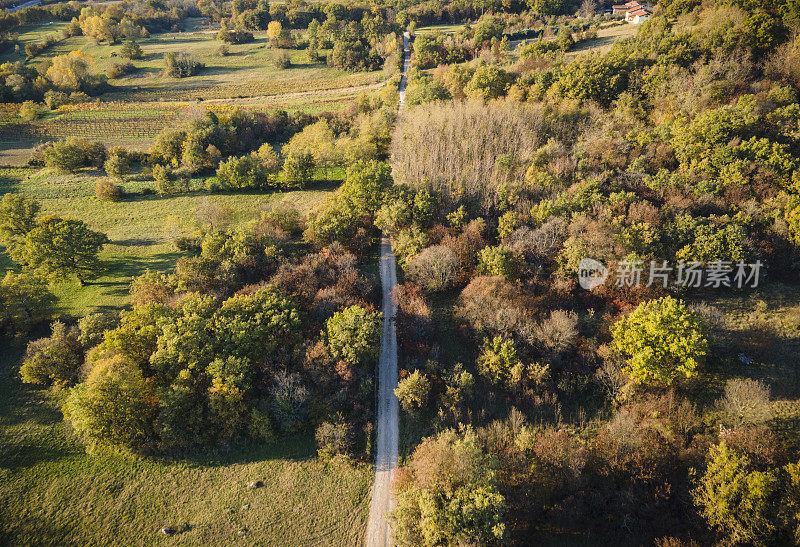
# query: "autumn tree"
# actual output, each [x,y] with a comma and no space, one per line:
[663,341]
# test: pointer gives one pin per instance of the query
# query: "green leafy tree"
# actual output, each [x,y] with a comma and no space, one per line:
[54,360]
[244,172]
[254,325]
[131,50]
[117,164]
[17,218]
[298,170]
[488,82]
[115,406]
[498,360]
[663,340]
[24,301]
[735,499]
[497,260]
[60,248]
[65,156]
[354,334]
[413,390]
[451,496]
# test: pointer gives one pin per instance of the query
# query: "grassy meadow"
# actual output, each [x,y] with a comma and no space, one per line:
[142,228]
[52,492]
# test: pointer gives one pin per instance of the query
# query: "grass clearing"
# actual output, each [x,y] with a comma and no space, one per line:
[142,228]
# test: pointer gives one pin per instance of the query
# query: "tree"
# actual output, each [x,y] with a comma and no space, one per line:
[245,172]
[663,340]
[436,268]
[253,325]
[736,499]
[72,71]
[131,50]
[17,218]
[449,495]
[353,335]
[298,169]
[497,260]
[488,82]
[54,360]
[335,437]
[117,165]
[274,30]
[24,302]
[115,406]
[60,248]
[498,360]
[65,156]
[413,390]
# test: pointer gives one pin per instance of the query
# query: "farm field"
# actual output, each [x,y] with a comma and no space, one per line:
[141,228]
[139,105]
[247,71]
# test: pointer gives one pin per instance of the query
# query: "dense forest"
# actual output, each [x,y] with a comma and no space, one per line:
[652,408]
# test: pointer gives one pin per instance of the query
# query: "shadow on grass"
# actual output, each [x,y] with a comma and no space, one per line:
[296,447]
[132,266]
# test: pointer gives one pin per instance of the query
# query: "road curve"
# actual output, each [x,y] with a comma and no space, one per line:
[388,412]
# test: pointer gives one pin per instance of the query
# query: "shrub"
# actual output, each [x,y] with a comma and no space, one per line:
[353,334]
[118,70]
[30,111]
[746,402]
[235,36]
[663,340]
[282,60]
[105,190]
[436,268]
[131,50]
[54,360]
[335,438]
[65,156]
[558,332]
[181,66]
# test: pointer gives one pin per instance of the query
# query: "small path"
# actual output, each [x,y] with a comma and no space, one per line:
[387,418]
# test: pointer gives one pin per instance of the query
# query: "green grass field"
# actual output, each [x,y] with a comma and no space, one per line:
[53,493]
[142,228]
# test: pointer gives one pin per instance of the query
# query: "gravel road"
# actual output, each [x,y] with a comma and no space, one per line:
[388,414]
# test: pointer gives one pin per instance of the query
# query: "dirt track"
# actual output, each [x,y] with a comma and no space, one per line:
[388,412]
